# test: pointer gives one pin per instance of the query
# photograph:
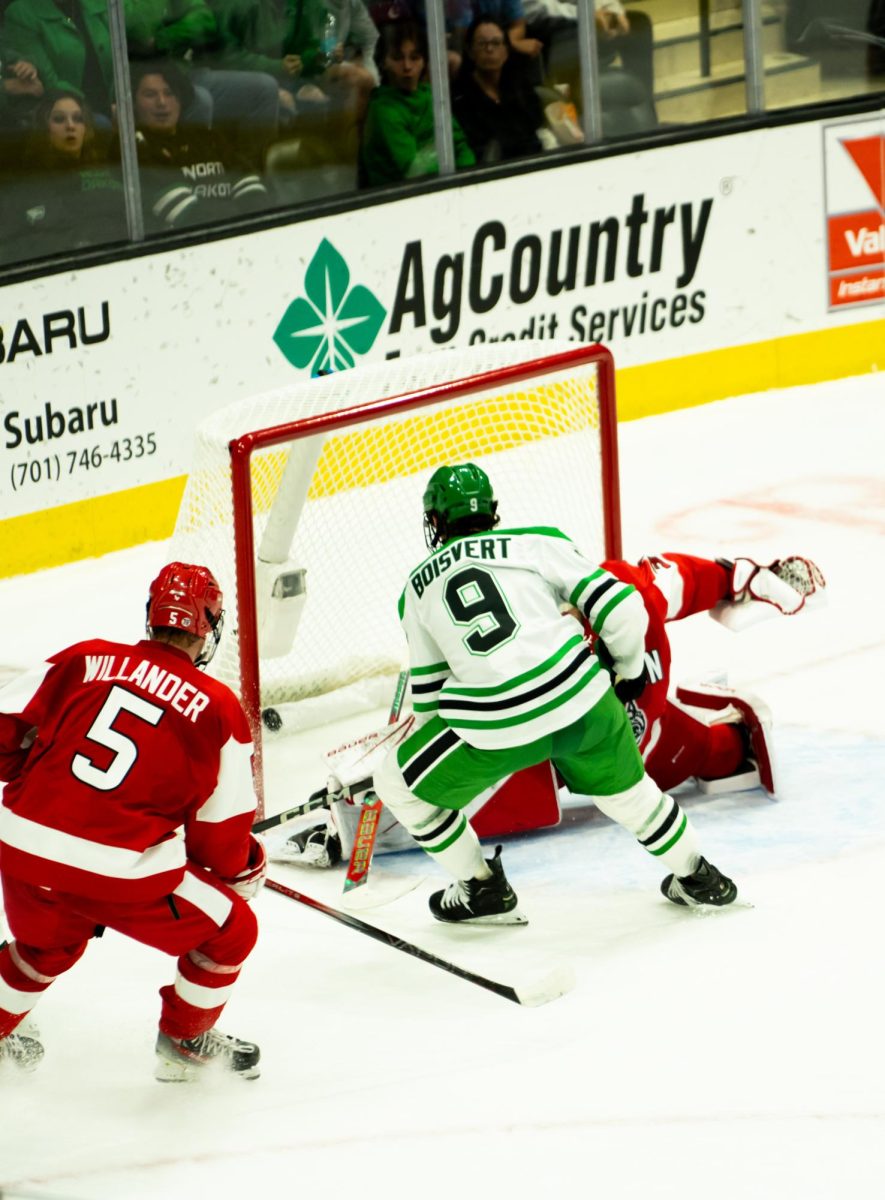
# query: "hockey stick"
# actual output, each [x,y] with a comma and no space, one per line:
[317,799]
[370,814]
[556,983]
[322,797]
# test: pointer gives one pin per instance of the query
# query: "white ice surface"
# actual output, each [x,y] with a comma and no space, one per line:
[738,1055]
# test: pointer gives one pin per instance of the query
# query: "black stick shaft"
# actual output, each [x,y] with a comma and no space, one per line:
[317,800]
[390,939]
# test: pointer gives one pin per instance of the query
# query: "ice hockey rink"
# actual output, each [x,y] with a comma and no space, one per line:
[735,1055]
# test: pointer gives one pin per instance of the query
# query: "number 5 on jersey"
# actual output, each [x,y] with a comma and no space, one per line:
[102,732]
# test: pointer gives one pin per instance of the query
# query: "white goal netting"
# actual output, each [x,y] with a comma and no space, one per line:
[347,509]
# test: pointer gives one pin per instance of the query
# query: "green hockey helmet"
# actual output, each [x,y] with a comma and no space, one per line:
[457,500]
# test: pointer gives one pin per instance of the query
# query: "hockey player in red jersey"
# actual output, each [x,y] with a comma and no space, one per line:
[734,745]
[129,806]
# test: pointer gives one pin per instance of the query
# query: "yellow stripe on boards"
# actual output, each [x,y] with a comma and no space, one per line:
[739,370]
[91,527]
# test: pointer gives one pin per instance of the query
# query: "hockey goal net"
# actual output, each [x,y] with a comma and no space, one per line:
[306,502]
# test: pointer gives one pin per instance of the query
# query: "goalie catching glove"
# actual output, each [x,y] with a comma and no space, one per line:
[250,880]
[786,585]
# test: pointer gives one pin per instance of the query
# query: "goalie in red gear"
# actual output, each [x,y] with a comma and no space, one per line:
[676,744]
[129,806]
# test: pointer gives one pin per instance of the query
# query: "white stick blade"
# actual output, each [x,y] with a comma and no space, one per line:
[378,892]
[553,985]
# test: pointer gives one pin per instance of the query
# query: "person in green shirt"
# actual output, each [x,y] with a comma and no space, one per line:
[398,137]
[314,49]
[68,41]
[20,92]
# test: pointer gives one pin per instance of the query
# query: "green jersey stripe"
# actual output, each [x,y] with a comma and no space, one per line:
[599,621]
[674,839]
[518,680]
[582,587]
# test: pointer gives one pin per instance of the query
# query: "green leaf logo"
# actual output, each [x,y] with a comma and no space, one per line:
[326,329]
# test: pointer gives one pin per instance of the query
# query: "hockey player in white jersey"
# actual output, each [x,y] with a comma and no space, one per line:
[501,680]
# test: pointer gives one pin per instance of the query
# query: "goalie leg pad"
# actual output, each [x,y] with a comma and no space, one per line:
[749,711]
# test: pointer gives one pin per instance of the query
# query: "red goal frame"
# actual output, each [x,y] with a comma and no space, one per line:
[242,448]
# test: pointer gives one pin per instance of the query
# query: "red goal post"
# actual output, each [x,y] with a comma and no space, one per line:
[307,506]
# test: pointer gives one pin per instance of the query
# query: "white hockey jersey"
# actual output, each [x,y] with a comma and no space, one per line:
[490,649]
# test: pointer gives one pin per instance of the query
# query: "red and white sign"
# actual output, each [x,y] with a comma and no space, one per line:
[854,161]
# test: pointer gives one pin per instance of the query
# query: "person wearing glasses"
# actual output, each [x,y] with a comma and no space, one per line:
[492,98]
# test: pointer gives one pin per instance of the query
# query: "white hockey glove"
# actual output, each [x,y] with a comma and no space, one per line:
[786,586]
[251,879]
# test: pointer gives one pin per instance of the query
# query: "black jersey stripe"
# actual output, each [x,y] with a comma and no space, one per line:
[453,816]
[426,758]
[421,688]
[598,592]
[450,704]
[668,823]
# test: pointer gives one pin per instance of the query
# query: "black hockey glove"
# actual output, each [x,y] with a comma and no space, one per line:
[625,689]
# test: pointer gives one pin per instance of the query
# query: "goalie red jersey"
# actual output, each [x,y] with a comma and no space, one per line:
[125,762]
[672,586]
[732,745]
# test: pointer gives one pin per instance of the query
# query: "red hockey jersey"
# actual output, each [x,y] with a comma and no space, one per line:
[139,763]
[672,586]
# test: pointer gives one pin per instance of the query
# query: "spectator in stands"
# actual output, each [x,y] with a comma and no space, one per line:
[190,175]
[398,138]
[66,194]
[241,103]
[497,107]
[620,34]
[19,81]
[288,41]
[68,42]
[511,15]
[20,92]
[357,36]
[626,35]
[457,15]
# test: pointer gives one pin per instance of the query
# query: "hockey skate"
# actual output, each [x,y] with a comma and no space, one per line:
[318,847]
[489,901]
[20,1051]
[705,886]
[181,1060]
[753,714]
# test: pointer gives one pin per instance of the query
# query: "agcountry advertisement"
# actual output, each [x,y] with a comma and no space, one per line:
[710,269]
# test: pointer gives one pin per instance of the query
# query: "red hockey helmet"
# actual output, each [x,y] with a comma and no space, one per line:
[187,597]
